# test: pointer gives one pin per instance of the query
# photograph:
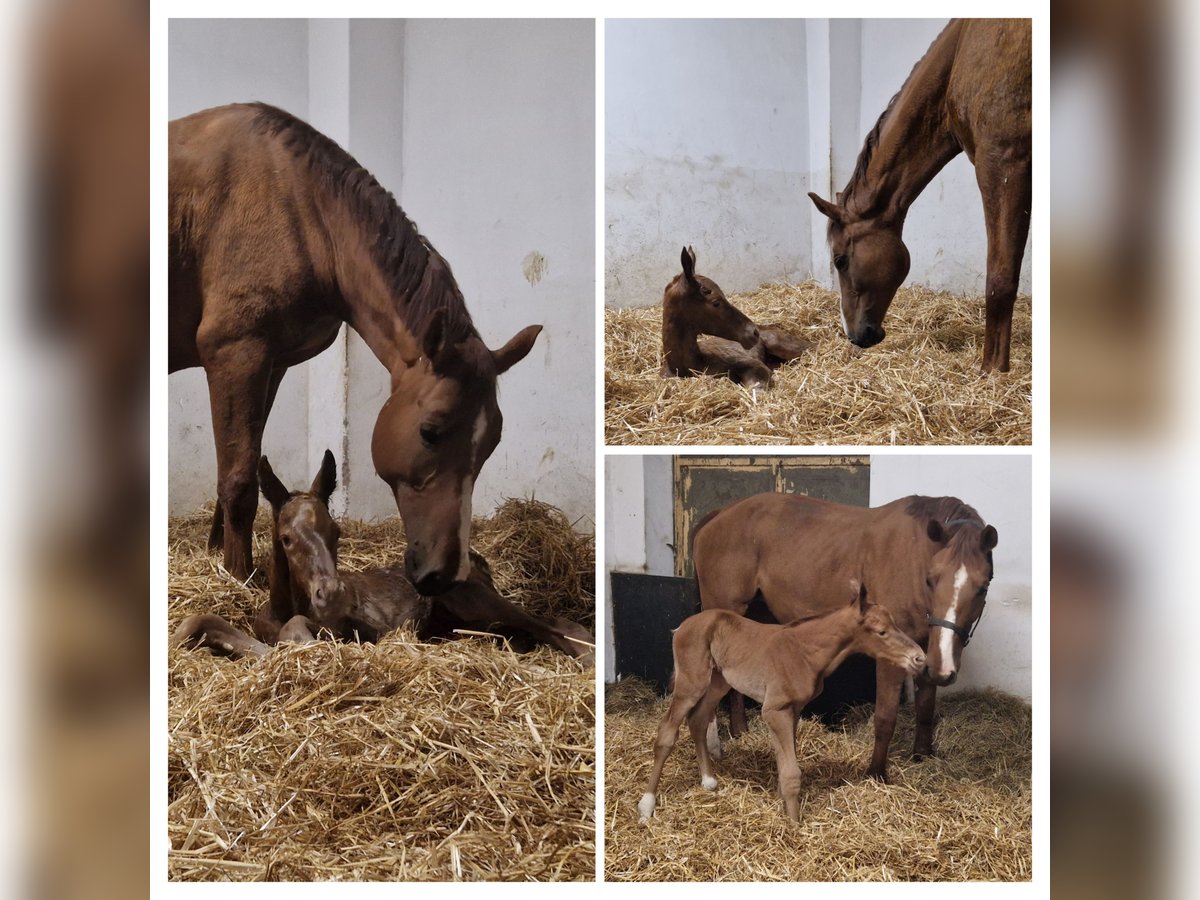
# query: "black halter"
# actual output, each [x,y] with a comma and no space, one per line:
[963,634]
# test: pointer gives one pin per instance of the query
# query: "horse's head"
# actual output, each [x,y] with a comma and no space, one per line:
[878,636]
[872,262]
[957,583]
[305,532]
[431,439]
[701,303]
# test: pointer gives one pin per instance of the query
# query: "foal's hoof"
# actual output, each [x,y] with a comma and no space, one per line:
[645,808]
[708,783]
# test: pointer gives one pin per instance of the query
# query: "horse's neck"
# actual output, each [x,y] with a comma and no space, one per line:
[679,342]
[915,141]
[827,640]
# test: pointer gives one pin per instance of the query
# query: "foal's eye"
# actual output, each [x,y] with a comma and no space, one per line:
[286,540]
[429,435]
[840,262]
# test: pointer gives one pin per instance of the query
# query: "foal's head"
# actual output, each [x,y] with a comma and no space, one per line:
[699,303]
[431,439]
[872,262]
[957,581]
[878,636]
[305,533]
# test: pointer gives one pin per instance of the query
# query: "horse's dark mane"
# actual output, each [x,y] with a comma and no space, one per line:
[871,144]
[419,277]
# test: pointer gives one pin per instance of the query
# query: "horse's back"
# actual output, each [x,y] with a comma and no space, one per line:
[991,85]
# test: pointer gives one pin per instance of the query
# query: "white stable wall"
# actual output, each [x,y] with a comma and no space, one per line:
[717,129]
[485,133]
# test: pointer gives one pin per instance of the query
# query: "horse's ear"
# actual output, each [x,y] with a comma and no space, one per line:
[325,482]
[688,259]
[987,539]
[828,209]
[270,485]
[937,534]
[516,349]
[435,336]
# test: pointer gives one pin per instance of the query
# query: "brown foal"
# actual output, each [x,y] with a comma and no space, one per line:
[308,593]
[782,666]
[704,333]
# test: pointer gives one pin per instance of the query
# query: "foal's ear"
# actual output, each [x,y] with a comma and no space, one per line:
[270,485]
[516,349]
[325,482]
[826,208]
[937,534]
[688,259]
[987,539]
[859,596]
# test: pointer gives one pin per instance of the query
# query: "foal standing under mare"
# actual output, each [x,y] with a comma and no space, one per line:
[782,666]
[277,237]
[928,559]
[307,593]
[732,345]
[971,93]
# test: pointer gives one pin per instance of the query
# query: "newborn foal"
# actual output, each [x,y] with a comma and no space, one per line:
[782,666]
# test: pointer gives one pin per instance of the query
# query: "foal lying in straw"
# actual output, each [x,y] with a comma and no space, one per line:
[704,333]
[309,594]
[782,666]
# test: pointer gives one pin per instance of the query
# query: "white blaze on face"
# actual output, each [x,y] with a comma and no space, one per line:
[468,485]
[845,324]
[946,640]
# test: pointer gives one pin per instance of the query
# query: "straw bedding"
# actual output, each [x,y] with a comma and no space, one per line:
[965,815]
[922,385]
[401,760]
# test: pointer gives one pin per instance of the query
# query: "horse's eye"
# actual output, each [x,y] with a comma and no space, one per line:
[429,435]
[286,540]
[840,262]
[929,583]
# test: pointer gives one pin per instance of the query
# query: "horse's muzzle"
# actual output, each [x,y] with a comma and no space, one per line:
[867,336]
[939,680]
[428,580]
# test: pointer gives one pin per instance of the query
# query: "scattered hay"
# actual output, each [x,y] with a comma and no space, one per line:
[922,385]
[964,816]
[398,761]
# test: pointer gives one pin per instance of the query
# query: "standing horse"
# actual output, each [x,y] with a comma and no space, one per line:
[970,93]
[927,559]
[732,344]
[277,237]
[782,666]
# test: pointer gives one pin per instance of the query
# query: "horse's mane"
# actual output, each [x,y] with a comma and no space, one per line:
[871,144]
[418,276]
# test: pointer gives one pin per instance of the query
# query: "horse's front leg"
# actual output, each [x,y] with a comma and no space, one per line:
[925,704]
[478,606]
[888,680]
[216,534]
[782,723]
[239,378]
[1005,182]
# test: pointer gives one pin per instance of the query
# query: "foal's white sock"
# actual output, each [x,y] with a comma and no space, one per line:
[645,808]
[708,783]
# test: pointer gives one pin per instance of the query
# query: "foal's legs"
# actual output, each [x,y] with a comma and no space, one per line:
[239,376]
[218,635]
[888,680]
[690,688]
[925,704]
[1006,186]
[216,535]
[782,722]
[699,722]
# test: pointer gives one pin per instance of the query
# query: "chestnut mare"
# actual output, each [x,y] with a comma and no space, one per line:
[277,237]
[782,666]
[970,93]
[927,559]
[308,593]
[733,345]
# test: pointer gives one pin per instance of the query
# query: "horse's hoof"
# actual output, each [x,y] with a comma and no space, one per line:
[881,777]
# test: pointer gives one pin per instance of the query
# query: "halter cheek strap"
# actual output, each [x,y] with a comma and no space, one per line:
[964,635]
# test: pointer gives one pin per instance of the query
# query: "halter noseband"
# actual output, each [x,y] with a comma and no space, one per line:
[957,629]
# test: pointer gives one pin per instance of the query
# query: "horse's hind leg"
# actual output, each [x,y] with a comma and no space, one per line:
[239,377]
[699,721]
[216,534]
[689,689]
[1006,186]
